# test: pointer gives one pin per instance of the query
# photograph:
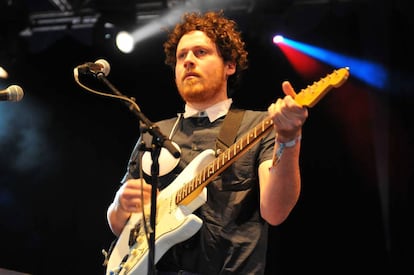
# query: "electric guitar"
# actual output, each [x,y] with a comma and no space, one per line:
[175,222]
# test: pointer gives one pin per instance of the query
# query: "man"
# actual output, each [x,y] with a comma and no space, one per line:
[260,188]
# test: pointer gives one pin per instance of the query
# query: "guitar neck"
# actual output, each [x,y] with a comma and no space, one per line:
[193,188]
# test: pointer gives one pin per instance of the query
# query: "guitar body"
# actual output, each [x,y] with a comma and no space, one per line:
[174,224]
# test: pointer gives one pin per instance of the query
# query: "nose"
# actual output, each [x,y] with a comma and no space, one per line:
[189,60]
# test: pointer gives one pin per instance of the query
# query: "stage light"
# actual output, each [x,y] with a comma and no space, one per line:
[125,42]
[3,73]
[298,52]
[278,39]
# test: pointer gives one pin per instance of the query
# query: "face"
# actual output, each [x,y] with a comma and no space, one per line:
[200,73]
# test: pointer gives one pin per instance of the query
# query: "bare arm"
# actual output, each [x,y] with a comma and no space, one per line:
[128,199]
[280,181]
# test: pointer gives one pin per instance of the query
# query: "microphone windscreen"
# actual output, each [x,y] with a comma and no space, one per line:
[106,68]
[15,93]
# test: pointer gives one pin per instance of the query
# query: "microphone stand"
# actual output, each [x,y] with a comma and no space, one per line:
[159,140]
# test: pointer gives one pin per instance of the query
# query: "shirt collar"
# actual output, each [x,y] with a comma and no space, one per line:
[213,112]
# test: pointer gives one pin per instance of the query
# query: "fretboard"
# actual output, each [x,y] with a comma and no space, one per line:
[192,188]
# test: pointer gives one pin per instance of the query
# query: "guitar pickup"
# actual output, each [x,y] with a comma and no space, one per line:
[133,234]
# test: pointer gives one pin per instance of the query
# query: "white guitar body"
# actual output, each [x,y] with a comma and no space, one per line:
[174,224]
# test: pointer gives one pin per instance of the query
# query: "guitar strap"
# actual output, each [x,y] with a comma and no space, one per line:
[228,131]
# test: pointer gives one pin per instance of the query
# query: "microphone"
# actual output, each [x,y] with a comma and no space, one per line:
[99,66]
[12,93]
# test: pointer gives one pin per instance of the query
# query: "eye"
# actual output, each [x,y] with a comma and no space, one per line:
[201,52]
[181,55]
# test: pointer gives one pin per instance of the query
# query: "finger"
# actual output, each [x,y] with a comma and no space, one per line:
[288,89]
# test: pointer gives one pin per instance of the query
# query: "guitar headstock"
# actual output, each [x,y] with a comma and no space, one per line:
[312,94]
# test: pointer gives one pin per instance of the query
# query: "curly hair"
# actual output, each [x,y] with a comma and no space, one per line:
[223,31]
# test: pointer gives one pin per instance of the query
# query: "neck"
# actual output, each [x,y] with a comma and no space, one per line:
[202,106]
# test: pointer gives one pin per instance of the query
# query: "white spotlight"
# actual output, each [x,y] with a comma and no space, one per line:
[278,39]
[3,73]
[125,42]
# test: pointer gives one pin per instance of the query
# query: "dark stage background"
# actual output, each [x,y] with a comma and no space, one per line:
[64,150]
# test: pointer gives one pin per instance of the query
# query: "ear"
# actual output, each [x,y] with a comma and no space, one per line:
[231,68]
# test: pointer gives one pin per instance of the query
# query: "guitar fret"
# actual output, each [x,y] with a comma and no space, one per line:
[240,145]
[185,190]
[217,162]
[264,125]
[204,175]
[191,186]
[231,152]
[210,170]
[222,158]
[197,181]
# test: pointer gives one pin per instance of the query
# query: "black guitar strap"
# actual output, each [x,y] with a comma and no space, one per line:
[228,131]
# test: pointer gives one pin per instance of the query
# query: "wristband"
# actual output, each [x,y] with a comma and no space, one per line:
[282,146]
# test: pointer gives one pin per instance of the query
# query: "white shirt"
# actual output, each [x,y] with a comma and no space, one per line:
[213,112]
